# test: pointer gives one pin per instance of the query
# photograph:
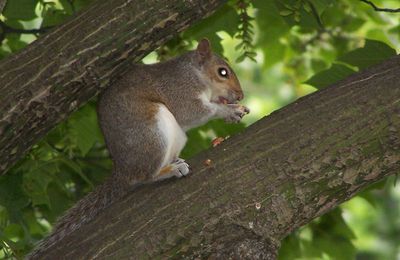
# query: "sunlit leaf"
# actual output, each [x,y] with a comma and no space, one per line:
[272,28]
[13,231]
[224,19]
[286,12]
[333,230]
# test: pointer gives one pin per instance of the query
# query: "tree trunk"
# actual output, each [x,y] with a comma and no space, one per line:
[278,175]
[42,84]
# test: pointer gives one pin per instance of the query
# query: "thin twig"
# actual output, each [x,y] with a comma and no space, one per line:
[5,29]
[8,29]
[378,9]
[316,15]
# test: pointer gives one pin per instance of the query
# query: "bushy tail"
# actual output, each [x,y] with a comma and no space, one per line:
[83,212]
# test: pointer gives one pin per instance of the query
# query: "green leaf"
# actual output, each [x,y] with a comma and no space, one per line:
[13,232]
[20,9]
[67,6]
[318,64]
[77,168]
[329,76]
[286,12]
[307,21]
[354,24]
[14,42]
[395,30]
[84,128]
[59,202]
[272,28]
[307,8]
[297,17]
[81,4]
[321,5]
[372,53]
[333,230]
[12,195]
[54,17]
[224,19]
[36,181]
[310,251]
[369,197]
[290,248]
[3,217]
[36,230]
[240,58]
[200,138]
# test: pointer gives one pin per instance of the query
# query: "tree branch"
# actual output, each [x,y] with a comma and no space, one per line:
[388,10]
[283,171]
[42,84]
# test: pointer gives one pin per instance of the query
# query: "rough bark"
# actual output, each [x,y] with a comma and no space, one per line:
[282,172]
[45,82]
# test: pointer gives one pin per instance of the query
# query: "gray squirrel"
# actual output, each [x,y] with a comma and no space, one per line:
[144,116]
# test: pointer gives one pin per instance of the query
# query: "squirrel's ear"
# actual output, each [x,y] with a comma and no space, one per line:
[204,49]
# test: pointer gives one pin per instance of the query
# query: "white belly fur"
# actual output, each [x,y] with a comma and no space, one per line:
[174,137]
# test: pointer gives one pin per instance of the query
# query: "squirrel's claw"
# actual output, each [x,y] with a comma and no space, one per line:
[237,112]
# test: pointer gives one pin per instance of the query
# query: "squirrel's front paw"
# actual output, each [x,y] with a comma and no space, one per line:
[236,113]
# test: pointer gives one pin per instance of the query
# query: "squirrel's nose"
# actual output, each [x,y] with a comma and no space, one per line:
[239,95]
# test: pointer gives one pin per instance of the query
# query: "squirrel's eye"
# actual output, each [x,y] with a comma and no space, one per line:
[223,72]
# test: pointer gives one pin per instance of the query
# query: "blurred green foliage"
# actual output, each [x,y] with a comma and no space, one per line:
[281,50]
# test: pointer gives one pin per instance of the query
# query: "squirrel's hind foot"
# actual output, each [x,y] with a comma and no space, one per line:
[177,168]
[182,168]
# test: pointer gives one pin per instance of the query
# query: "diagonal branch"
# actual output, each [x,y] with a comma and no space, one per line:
[45,82]
[388,10]
[282,172]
